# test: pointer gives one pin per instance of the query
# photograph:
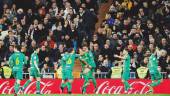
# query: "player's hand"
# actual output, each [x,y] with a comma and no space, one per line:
[86,70]
[159,68]
[81,52]
[123,80]
[89,66]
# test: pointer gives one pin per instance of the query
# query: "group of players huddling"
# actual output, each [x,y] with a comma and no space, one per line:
[18,59]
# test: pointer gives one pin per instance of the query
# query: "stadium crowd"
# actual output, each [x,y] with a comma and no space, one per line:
[56,25]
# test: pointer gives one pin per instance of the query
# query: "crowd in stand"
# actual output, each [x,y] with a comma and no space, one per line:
[56,25]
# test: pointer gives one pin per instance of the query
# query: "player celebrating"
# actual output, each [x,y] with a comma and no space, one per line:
[156,77]
[88,68]
[126,69]
[34,71]
[16,62]
[67,64]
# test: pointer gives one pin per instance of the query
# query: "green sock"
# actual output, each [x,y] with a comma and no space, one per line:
[16,87]
[69,86]
[63,85]
[85,85]
[94,82]
[126,84]
[156,83]
[38,86]
[27,83]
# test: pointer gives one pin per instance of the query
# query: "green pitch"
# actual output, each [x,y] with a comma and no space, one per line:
[92,95]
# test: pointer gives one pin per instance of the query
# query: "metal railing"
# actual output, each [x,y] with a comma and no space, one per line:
[97,75]
[164,75]
[44,75]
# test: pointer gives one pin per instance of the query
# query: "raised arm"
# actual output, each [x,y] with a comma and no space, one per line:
[11,61]
[35,63]
[121,57]
[25,59]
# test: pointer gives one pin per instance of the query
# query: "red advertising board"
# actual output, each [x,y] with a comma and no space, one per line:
[105,86]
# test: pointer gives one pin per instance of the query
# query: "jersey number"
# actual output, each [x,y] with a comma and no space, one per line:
[69,61]
[17,61]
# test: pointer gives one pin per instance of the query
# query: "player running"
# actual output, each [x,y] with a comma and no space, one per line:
[156,77]
[34,71]
[88,68]
[126,69]
[16,62]
[67,64]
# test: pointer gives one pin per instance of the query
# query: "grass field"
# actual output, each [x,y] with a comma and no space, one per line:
[90,95]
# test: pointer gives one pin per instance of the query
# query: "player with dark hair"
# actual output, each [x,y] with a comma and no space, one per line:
[156,77]
[126,68]
[34,71]
[88,67]
[16,62]
[67,63]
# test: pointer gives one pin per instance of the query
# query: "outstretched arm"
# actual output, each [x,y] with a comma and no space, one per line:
[119,61]
[35,63]
[25,59]
[121,57]
[11,61]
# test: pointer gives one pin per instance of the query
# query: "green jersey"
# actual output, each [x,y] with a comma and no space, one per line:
[68,61]
[63,59]
[88,57]
[126,64]
[91,61]
[17,60]
[67,64]
[153,64]
[84,58]
[34,59]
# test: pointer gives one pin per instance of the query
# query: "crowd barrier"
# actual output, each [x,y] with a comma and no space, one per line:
[105,86]
[97,75]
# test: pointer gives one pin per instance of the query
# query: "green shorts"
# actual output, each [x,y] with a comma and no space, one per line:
[67,75]
[34,73]
[17,75]
[89,75]
[126,75]
[156,76]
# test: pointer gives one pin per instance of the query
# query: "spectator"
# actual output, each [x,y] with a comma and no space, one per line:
[163,61]
[142,71]
[55,54]
[6,71]
[47,62]
[9,52]
[43,53]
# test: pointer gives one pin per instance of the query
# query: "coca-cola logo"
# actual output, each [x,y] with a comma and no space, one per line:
[7,88]
[107,88]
